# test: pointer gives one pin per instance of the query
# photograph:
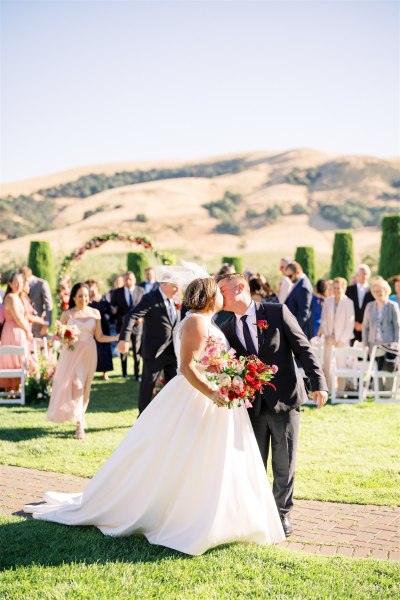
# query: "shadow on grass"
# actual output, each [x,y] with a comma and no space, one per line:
[31,542]
[30,433]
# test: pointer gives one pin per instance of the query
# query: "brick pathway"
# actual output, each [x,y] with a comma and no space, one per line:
[319,527]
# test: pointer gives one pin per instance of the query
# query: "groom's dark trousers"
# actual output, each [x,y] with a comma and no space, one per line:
[157,345]
[275,415]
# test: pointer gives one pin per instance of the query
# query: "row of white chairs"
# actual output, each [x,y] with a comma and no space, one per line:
[361,372]
[359,369]
[18,396]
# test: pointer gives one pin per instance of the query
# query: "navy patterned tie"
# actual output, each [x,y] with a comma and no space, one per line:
[247,336]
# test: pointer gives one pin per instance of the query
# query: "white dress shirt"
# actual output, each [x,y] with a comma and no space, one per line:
[285,287]
[170,306]
[251,322]
[362,289]
[129,295]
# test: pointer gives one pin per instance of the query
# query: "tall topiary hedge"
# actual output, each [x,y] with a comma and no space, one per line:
[305,255]
[343,255]
[236,261]
[137,262]
[41,261]
[389,262]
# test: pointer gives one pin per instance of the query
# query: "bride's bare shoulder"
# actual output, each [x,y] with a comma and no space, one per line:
[193,324]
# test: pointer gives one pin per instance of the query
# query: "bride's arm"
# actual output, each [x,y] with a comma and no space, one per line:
[194,334]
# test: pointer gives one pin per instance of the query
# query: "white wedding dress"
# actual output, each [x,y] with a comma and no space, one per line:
[188,475]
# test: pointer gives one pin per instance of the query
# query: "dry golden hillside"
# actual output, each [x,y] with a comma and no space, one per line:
[175,212]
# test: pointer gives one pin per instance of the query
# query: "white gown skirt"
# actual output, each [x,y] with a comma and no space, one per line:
[188,475]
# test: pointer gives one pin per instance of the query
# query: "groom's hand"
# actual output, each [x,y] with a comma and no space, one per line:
[320,398]
[123,347]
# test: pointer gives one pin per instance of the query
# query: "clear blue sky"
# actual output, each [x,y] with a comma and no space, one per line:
[86,82]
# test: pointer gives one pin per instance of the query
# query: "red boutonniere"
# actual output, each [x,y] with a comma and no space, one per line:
[262,326]
[178,305]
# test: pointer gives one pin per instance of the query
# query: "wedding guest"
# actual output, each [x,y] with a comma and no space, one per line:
[124,300]
[75,369]
[396,296]
[160,319]
[150,283]
[16,328]
[361,295]
[328,288]
[318,302]
[64,292]
[285,284]
[300,296]
[42,301]
[381,324]
[30,312]
[337,325]
[99,302]
[261,291]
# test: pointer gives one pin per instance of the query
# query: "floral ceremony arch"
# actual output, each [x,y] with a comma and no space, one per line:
[96,242]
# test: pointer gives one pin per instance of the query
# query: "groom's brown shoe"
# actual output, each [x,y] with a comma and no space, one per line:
[287,526]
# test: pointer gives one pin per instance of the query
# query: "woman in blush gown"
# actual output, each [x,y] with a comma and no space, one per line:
[75,369]
[16,329]
[189,474]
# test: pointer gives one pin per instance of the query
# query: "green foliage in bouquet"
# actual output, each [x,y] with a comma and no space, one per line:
[343,255]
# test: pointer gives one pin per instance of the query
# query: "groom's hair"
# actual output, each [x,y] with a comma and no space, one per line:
[236,277]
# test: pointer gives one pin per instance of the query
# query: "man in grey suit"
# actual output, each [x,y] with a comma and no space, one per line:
[40,296]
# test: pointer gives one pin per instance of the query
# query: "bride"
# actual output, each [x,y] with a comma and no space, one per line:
[189,474]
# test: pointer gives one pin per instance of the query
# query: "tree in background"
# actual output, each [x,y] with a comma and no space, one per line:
[41,261]
[389,262]
[342,264]
[305,255]
[137,262]
[236,261]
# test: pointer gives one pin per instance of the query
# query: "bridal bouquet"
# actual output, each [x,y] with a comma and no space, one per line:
[67,334]
[237,379]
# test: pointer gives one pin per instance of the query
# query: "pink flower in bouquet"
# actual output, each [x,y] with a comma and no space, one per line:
[67,334]
[237,379]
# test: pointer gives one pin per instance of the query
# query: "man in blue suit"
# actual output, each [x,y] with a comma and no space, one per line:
[299,300]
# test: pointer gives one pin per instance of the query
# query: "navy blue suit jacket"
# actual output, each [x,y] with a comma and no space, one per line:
[299,302]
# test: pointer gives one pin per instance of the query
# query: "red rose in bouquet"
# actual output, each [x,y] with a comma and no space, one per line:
[237,379]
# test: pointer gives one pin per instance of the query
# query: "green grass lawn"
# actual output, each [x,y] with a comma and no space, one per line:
[347,453]
[49,561]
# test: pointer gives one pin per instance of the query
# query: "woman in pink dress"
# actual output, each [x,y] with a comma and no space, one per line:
[75,369]
[30,312]
[16,329]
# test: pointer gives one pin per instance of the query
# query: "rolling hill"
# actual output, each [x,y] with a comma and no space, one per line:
[283,200]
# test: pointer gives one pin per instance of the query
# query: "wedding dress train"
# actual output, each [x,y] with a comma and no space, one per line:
[188,475]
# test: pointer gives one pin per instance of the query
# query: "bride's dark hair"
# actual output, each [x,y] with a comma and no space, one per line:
[200,294]
[74,292]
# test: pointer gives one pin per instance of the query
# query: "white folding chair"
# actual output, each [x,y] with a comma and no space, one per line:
[17,397]
[389,394]
[357,368]
[317,345]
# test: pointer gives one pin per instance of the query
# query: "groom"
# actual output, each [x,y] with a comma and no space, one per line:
[272,333]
